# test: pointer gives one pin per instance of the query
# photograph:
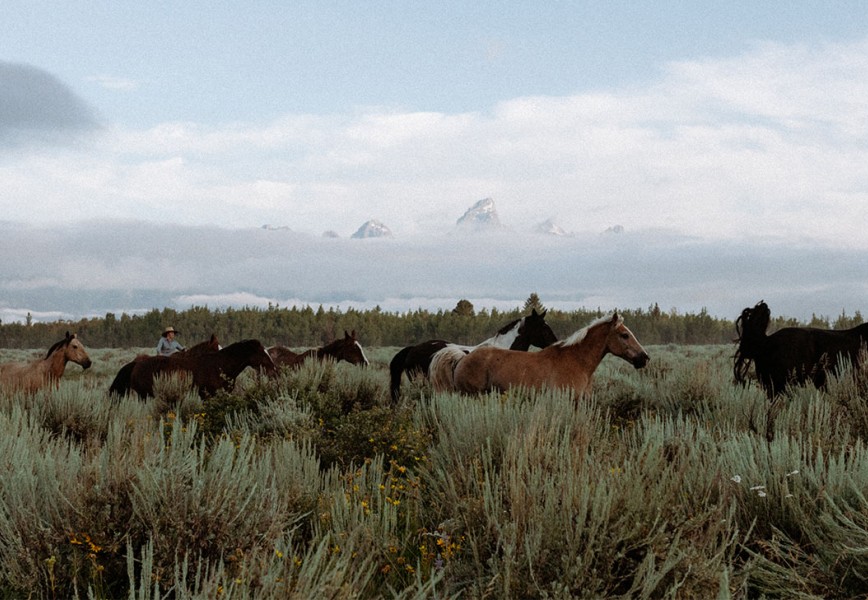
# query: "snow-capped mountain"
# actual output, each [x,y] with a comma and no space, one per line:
[481,216]
[372,229]
[549,227]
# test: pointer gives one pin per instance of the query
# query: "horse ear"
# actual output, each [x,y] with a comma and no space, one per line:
[543,315]
[346,335]
[353,334]
[69,337]
[615,317]
[533,312]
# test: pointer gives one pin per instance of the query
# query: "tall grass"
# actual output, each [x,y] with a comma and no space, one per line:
[670,482]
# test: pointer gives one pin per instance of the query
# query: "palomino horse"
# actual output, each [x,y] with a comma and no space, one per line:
[121,384]
[30,376]
[210,372]
[569,364]
[347,348]
[519,334]
[792,354]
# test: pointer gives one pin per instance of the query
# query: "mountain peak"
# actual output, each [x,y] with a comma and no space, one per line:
[372,229]
[549,227]
[482,215]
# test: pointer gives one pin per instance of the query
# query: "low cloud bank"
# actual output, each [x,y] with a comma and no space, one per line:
[94,268]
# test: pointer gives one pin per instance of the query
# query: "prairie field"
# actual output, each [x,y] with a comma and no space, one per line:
[670,482]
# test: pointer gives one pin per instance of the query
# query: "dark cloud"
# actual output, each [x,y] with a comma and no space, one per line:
[91,269]
[36,107]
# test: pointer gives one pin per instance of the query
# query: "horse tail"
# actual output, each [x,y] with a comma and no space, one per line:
[396,370]
[442,369]
[750,328]
[120,387]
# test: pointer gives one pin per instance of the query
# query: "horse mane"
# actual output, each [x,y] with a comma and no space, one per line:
[508,327]
[750,327]
[65,341]
[335,343]
[580,335]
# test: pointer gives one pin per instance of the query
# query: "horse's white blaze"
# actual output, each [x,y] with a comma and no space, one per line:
[362,350]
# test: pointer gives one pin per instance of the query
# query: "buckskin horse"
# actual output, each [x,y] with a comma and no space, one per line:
[33,375]
[520,334]
[568,364]
[792,355]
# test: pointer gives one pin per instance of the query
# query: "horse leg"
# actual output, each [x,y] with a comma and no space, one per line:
[396,370]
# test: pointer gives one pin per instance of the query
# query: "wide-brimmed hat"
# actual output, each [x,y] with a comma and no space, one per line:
[170,330]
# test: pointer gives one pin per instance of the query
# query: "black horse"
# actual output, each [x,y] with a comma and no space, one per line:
[792,355]
[519,334]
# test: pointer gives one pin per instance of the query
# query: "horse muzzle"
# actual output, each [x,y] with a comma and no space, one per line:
[86,364]
[640,360]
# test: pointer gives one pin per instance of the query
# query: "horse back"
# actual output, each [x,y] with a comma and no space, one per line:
[28,376]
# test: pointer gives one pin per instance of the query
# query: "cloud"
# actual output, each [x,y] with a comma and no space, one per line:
[103,267]
[35,106]
[735,179]
[111,82]
[720,148]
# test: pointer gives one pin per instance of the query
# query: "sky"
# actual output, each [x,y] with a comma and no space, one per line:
[143,148]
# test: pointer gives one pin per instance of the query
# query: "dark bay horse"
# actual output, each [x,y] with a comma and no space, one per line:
[569,364]
[346,348]
[121,384]
[209,372]
[792,354]
[519,334]
[33,375]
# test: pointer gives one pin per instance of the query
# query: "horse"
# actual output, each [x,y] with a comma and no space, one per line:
[121,384]
[33,375]
[441,370]
[520,334]
[210,371]
[791,355]
[347,348]
[568,364]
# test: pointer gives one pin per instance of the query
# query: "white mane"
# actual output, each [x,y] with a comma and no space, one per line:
[579,335]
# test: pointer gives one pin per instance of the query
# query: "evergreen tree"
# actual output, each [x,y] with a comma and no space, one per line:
[464,308]
[533,302]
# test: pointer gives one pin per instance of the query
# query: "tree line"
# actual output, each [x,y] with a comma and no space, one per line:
[309,327]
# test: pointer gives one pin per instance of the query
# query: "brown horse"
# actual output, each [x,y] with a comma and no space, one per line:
[121,384]
[347,348]
[210,371]
[519,334]
[569,364]
[30,376]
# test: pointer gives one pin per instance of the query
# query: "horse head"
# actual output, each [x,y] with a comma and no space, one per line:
[73,350]
[751,327]
[534,331]
[753,322]
[347,348]
[260,359]
[621,342]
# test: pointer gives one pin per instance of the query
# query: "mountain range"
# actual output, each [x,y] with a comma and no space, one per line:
[480,217]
